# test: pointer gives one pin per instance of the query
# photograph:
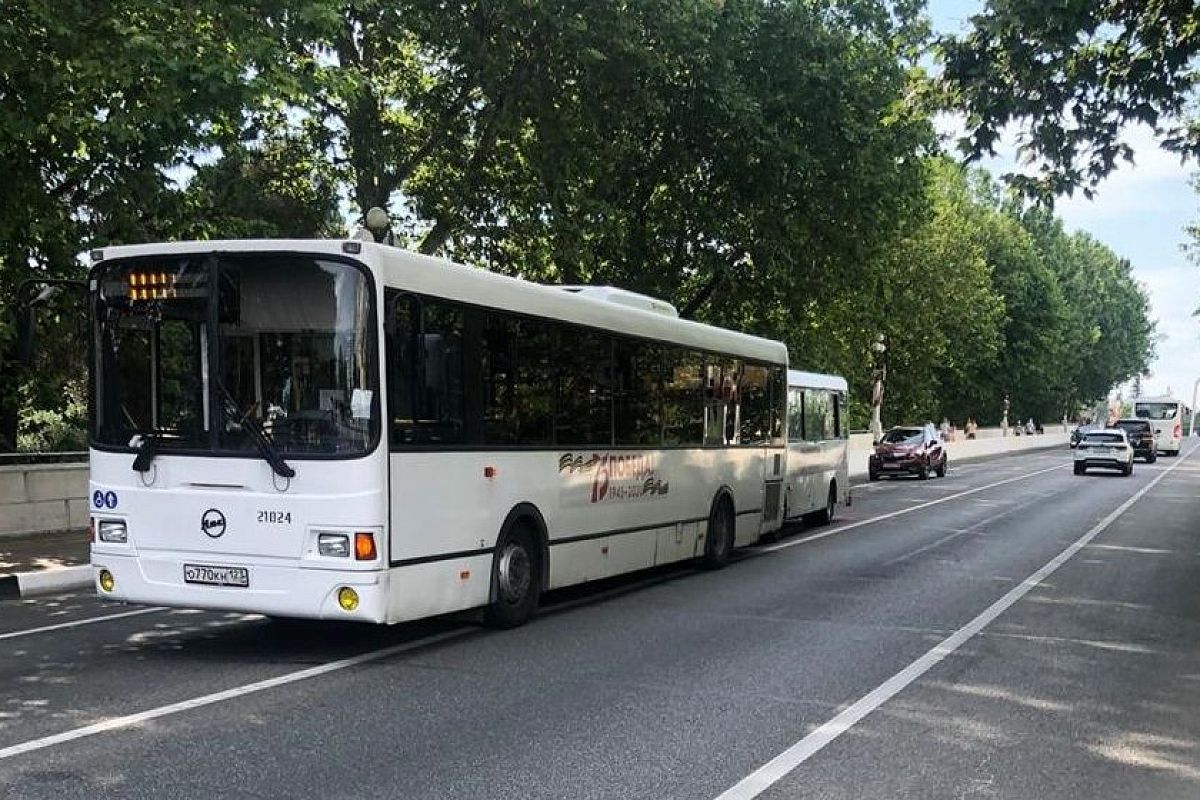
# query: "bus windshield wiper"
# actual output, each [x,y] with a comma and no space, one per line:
[147,449]
[257,435]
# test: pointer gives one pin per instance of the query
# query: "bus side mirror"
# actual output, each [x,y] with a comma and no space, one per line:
[26,324]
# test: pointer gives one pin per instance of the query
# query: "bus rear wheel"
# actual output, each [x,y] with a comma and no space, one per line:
[825,515]
[718,540]
[517,578]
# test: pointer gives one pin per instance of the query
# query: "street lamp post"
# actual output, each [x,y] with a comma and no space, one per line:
[878,375]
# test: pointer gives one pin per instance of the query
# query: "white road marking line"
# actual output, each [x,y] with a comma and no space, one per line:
[77,622]
[777,768]
[130,720]
[893,514]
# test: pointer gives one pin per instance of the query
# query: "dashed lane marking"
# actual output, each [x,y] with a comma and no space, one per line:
[77,622]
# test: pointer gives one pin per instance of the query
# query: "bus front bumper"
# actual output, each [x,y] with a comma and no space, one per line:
[274,590]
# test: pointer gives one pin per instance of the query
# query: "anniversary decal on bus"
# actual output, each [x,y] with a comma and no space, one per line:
[610,477]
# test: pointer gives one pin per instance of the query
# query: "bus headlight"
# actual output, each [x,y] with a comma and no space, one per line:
[107,581]
[334,544]
[113,531]
[347,598]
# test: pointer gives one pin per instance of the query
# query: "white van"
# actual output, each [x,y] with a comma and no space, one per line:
[1166,417]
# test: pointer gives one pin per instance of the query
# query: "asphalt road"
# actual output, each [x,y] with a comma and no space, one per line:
[1010,631]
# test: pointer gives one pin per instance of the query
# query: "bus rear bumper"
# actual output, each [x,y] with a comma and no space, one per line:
[278,591]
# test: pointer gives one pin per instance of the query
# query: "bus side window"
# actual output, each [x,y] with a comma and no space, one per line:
[779,406]
[795,415]
[498,356]
[756,412]
[534,390]
[816,414]
[583,414]
[720,400]
[442,401]
[829,429]
[402,328]
[639,393]
[683,398]
[425,371]
[518,380]
[838,400]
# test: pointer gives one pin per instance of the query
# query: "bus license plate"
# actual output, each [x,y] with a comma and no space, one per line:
[216,576]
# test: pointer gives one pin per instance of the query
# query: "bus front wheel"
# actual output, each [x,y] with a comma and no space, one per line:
[517,578]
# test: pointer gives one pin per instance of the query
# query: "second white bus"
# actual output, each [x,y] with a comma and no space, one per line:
[1166,417]
[818,477]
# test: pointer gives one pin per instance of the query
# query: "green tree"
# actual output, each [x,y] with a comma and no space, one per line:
[101,99]
[1072,76]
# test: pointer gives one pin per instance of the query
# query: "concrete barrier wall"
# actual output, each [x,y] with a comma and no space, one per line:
[37,498]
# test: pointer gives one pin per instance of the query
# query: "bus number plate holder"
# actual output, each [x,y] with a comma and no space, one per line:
[216,576]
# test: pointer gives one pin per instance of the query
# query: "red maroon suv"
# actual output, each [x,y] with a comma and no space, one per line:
[908,451]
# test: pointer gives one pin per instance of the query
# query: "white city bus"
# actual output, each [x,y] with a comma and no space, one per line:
[1166,417]
[818,476]
[344,430]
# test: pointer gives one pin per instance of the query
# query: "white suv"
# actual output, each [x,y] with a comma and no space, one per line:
[1108,447]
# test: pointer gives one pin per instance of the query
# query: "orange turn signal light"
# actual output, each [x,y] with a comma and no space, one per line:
[364,546]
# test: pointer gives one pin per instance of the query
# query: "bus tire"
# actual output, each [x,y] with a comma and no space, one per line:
[719,536]
[825,515]
[517,578]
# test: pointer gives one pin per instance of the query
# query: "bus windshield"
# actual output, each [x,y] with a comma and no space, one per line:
[283,346]
[1159,411]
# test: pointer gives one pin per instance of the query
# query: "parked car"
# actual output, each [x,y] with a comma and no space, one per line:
[1141,438]
[1081,431]
[1108,448]
[908,451]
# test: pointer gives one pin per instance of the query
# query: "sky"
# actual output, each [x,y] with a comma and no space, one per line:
[1140,212]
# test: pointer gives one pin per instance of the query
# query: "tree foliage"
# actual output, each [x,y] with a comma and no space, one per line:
[1073,75]
[763,165]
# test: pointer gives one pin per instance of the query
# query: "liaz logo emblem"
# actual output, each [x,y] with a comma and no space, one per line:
[212,522]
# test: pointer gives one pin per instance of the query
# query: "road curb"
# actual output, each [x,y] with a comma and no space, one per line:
[46,581]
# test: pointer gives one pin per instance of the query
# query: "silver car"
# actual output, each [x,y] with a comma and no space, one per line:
[1108,447]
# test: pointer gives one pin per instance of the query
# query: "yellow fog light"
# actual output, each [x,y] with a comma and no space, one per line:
[347,598]
[107,581]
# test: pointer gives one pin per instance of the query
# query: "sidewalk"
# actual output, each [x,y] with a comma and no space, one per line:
[36,563]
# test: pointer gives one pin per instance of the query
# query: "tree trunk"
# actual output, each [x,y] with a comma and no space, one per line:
[689,309]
